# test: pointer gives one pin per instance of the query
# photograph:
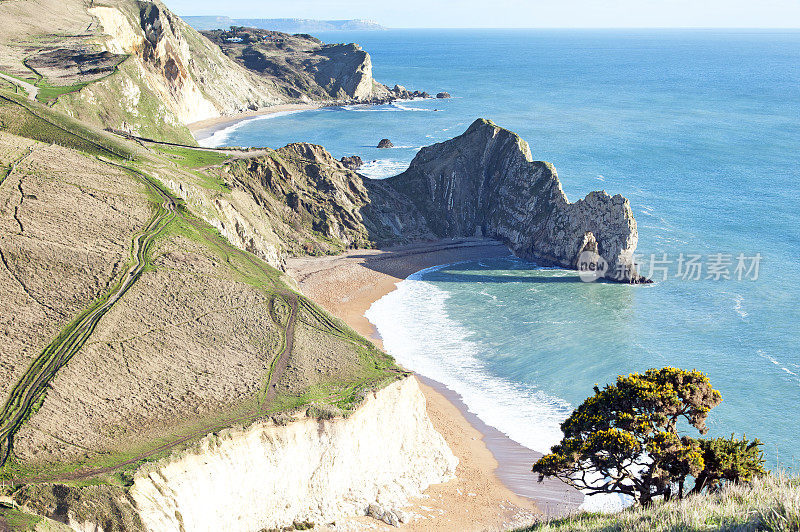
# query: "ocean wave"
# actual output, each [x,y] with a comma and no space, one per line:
[406,108]
[220,137]
[417,331]
[394,107]
[738,307]
[792,375]
[383,168]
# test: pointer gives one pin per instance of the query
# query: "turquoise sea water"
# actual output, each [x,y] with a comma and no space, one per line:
[699,129]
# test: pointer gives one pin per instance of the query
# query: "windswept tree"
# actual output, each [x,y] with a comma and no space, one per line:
[625,438]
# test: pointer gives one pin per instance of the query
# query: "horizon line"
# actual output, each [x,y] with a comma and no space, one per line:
[738,28]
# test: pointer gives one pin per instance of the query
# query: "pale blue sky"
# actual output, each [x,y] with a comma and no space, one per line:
[516,13]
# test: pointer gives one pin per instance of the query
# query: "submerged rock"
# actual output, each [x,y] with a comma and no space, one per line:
[385,143]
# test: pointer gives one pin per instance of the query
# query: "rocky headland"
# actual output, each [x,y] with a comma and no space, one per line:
[482,183]
[486,183]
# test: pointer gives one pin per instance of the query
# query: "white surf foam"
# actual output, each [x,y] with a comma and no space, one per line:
[407,108]
[791,375]
[418,333]
[383,168]
[220,137]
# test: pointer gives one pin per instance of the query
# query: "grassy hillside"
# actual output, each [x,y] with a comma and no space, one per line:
[160,332]
[20,116]
[770,503]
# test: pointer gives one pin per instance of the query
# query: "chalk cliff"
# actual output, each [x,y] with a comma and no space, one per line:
[270,476]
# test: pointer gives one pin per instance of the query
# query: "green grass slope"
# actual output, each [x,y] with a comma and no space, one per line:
[20,116]
[770,503]
[208,336]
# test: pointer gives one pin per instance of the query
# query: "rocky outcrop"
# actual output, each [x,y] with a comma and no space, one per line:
[443,95]
[269,476]
[482,183]
[385,143]
[353,162]
[486,183]
[302,66]
[401,93]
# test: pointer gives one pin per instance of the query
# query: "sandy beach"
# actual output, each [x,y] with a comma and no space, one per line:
[206,128]
[494,488]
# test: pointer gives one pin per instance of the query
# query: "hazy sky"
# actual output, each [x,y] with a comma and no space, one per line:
[516,13]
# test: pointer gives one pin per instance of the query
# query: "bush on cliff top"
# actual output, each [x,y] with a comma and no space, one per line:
[625,439]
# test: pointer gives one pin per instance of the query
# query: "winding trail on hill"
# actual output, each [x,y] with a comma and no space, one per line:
[277,369]
[30,390]
[33,90]
[280,362]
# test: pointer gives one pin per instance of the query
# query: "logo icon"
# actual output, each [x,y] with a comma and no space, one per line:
[591,266]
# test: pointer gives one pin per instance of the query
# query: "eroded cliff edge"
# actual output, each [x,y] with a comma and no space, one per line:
[270,476]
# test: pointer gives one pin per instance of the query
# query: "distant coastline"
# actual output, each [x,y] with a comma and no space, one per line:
[286,25]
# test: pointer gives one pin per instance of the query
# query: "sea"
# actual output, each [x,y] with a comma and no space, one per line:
[700,129]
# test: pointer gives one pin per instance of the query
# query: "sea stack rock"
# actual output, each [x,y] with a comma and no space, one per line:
[443,95]
[485,182]
[401,93]
[385,143]
[353,162]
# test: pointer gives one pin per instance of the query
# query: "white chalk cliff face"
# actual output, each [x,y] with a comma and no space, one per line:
[269,476]
[187,73]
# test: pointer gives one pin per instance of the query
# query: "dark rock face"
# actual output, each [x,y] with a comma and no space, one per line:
[401,93]
[385,143]
[75,64]
[353,162]
[301,65]
[486,183]
[443,95]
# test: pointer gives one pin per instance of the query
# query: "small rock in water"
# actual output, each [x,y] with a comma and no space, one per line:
[443,95]
[385,143]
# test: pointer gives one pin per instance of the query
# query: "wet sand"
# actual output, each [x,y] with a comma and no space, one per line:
[494,488]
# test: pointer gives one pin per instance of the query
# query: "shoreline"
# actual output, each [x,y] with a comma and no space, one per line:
[204,129]
[347,285]
[207,128]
